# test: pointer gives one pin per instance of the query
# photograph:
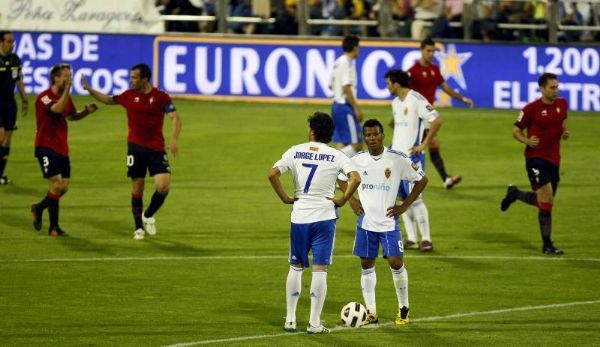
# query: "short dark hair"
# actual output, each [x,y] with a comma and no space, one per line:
[322,125]
[56,70]
[4,33]
[371,123]
[545,77]
[398,76]
[145,71]
[350,42]
[428,41]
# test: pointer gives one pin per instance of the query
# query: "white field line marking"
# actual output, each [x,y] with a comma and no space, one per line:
[266,257]
[424,319]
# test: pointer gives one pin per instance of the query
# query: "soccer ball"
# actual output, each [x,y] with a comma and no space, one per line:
[353,315]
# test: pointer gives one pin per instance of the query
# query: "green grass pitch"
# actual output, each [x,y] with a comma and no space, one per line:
[215,273]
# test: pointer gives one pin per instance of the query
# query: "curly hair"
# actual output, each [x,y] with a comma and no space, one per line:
[322,125]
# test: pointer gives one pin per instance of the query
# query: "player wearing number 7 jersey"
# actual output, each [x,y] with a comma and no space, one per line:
[315,167]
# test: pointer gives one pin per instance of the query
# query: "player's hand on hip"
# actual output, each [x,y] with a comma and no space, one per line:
[566,135]
[338,202]
[288,200]
[417,149]
[533,141]
[396,210]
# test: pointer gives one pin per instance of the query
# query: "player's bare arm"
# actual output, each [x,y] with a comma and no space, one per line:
[433,130]
[103,98]
[87,110]
[274,175]
[176,125]
[353,182]
[24,102]
[446,88]
[350,97]
[61,104]
[354,202]
[520,136]
[414,194]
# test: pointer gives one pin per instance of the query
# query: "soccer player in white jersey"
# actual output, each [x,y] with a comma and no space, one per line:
[345,110]
[412,113]
[315,167]
[381,172]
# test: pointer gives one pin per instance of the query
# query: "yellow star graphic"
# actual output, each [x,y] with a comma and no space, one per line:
[451,64]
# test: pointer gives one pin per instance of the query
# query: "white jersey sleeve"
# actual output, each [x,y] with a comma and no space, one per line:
[425,110]
[315,167]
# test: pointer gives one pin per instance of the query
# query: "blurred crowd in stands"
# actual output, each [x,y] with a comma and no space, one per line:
[414,19]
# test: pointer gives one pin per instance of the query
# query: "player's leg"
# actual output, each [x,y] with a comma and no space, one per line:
[535,171]
[438,163]
[8,122]
[420,212]
[137,206]
[5,139]
[410,224]
[162,184]
[393,250]
[322,237]
[299,248]
[136,170]
[421,216]
[58,187]
[366,246]
[160,170]
[545,199]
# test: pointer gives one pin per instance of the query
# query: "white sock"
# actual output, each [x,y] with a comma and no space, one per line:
[293,287]
[368,281]
[410,225]
[422,217]
[348,150]
[400,278]
[318,292]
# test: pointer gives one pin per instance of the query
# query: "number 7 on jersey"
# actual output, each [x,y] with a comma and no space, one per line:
[313,168]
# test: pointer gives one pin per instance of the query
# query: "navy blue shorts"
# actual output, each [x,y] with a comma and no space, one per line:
[366,243]
[318,237]
[541,172]
[347,127]
[8,115]
[52,163]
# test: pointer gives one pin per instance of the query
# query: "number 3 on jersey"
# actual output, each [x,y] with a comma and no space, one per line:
[313,168]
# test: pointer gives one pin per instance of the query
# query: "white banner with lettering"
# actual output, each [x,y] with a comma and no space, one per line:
[98,16]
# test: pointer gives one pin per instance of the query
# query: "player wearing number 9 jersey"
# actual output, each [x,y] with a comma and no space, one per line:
[315,167]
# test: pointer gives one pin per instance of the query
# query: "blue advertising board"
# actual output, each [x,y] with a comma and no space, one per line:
[104,58]
[275,70]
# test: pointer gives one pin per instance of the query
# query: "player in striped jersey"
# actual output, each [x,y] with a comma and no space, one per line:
[315,167]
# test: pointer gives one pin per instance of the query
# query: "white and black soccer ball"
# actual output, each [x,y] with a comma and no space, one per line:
[354,314]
